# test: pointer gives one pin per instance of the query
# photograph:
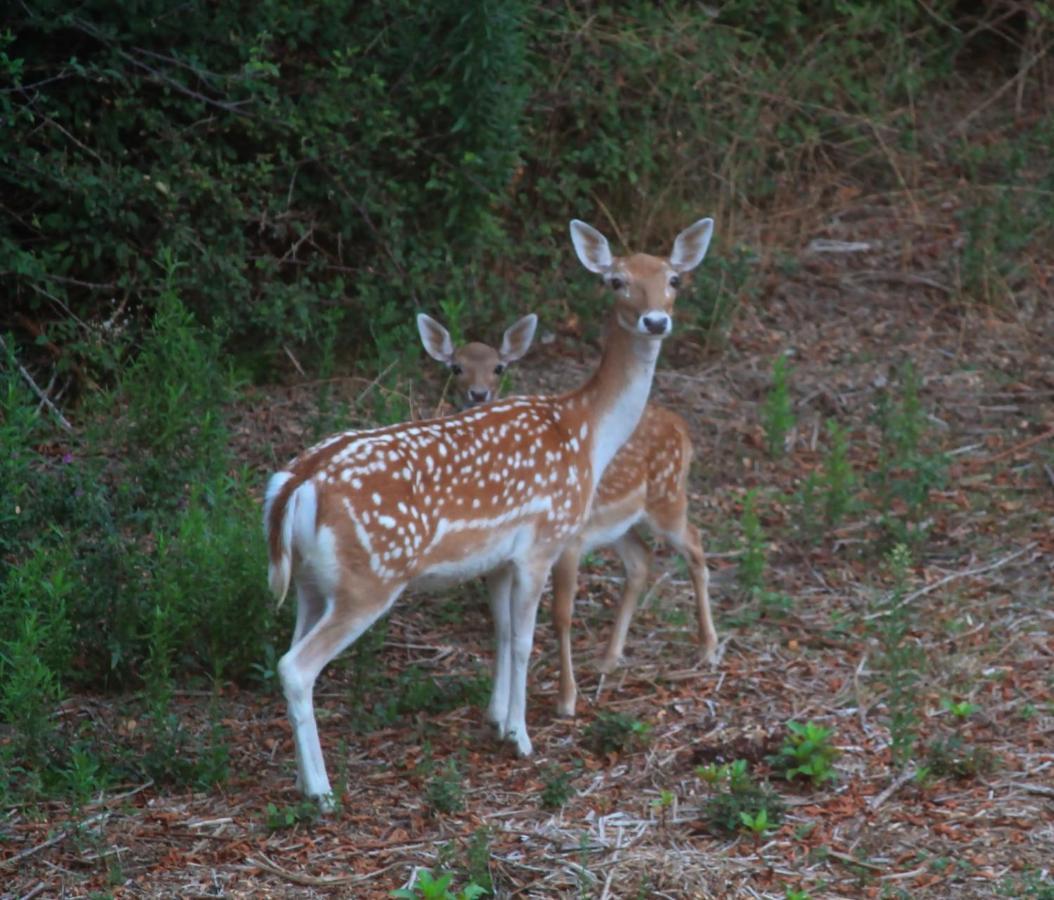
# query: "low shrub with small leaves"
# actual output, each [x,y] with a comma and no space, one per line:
[807,752]
[556,787]
[614,732]
[955,757]
[278,818]
[738,802]
[429,886]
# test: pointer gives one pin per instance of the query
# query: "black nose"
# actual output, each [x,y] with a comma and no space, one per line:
[478,396]
[655,326]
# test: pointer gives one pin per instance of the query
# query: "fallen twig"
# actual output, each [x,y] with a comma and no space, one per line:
[50,842]
[41,394]
[894,786]
[966,573]
[262,862]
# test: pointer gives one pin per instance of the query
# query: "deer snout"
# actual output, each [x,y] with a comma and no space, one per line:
[655,323]
[475,395]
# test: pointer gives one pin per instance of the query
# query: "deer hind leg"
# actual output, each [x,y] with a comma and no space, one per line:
[345,616]
[527,583]
[310,605]
[565,584]
[499,588]
[686,541]
[636,560]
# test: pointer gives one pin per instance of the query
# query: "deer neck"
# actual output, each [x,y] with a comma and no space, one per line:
[615,397]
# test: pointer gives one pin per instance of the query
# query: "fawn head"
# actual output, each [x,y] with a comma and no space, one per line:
[645,286]
[477,368]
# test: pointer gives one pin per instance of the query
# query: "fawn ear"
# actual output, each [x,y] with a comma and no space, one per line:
[436,339]
[591,246]
[517,339]
[691,245]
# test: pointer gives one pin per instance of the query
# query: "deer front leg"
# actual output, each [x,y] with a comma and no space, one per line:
[565,583]
[499,587]
[527,585]
[635,557]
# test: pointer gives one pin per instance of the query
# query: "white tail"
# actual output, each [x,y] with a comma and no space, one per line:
[499,490]
[647,481]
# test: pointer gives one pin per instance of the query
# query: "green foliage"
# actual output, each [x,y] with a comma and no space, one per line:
[953,756]
[960,709]
[557,788]
[444,792]
[1033,884]
[777,412]
[807,751]
[615,732]
[429,886]
[900,660]
[412,691]
[737,801]
[907,471]
[1004,221]
[752,561]
[838,480]
[276,818]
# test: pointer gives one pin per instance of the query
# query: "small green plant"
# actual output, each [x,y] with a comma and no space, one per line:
[556,787]
[900,660]
[444,792]
[907,473]
[751,570]
[960,709]
[777,412]
[477,859]
[756,823]
[790,893]
[955,757]
[838,479]
[614,732]
[663,804]
[429,886]
[736,794]
[806,751]
[278,818]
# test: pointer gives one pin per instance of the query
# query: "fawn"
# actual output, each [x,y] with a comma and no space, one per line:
[646,481]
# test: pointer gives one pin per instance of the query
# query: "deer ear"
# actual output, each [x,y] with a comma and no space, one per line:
[591,246]
[517,339]
[691,245]
[435,338]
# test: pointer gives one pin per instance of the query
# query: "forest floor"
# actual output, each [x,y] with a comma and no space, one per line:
[958,668]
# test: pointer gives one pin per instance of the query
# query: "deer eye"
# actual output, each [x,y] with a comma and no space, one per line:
[617,284]
[456,369]
[675,281]
[498,369]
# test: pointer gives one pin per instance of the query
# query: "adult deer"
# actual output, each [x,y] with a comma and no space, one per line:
[498,490]
[646,481]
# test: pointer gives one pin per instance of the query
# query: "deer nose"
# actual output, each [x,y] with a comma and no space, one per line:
[476,396]
[656,323]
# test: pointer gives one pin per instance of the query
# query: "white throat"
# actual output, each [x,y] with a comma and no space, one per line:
[617,424]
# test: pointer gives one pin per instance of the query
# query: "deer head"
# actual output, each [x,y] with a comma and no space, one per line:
[477,368]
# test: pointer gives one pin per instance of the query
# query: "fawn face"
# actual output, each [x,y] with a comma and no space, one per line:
[477,368]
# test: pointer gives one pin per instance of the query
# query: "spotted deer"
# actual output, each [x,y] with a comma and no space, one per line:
[498,490]
[646,481]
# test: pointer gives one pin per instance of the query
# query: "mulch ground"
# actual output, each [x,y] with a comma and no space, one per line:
[980,607]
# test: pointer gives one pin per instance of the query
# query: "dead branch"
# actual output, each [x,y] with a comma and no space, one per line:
[40,392]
